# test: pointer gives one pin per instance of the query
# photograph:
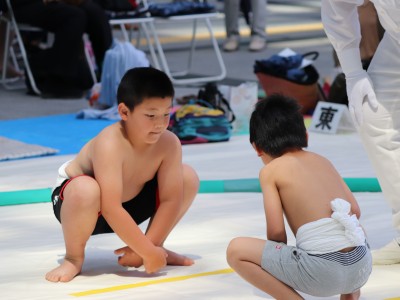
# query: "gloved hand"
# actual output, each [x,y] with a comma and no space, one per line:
[359,89]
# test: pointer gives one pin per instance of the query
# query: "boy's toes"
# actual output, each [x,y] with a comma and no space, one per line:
[175,259]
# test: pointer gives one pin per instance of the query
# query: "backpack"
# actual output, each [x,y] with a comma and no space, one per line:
[194,123]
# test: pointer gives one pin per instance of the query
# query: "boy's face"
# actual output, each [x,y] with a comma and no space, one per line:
[149,119]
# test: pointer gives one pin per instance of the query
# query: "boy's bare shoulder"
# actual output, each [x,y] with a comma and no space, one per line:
[110,134]
[109,140]
[299,157]
[113,140]
[289,162]
[169,141]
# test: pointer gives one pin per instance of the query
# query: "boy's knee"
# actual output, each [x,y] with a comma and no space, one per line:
[191,180]
[233,251]
[83,190]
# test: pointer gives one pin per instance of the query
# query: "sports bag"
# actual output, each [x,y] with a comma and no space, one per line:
[194,123]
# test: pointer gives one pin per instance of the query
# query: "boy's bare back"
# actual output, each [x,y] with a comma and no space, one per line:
[302,184]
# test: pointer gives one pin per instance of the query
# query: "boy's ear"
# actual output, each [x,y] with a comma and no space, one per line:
[259,152]
[123,111]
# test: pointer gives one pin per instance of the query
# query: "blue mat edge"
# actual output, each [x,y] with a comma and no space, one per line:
[64,132]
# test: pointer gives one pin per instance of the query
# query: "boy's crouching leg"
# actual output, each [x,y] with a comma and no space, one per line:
[191,184]
[79,213]
[353,296]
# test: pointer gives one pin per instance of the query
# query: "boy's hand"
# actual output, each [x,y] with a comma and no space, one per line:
[128,258]
[155,260]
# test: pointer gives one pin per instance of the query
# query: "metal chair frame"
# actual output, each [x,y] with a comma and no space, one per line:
[149,26]
[13,27]
[146,24]
[195,80]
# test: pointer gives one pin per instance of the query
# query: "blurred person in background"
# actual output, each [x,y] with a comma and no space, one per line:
[255,13]
[374,96]
[61,70]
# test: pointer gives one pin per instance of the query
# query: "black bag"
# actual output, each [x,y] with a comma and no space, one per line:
[118,5]
[337,91]
[212,95]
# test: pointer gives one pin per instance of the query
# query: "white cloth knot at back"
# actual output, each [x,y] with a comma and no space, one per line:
[353,230]
[332,234]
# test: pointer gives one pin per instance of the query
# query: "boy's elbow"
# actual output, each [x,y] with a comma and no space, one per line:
[279,237]
[356,211]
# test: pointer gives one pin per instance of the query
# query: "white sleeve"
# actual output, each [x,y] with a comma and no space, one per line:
[342,26]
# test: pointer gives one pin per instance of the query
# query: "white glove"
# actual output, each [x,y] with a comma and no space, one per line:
[359,88]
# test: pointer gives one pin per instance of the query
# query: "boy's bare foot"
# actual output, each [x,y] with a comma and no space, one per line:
[352,296]
[175,259]
[66,271]
[128,258]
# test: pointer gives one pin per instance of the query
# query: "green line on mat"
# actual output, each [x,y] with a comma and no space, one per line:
[250,185]
[25,196]
[363,185]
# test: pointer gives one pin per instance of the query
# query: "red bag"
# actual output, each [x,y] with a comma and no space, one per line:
[306,93]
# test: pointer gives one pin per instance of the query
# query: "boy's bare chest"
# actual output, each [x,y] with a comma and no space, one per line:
[136,172]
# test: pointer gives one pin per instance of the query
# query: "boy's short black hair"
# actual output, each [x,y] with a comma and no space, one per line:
[277,125]
[145,82]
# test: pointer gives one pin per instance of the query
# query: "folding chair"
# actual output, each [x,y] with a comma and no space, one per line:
[11,48]
[145,23]
[19,51]
[5,79]
[185,77]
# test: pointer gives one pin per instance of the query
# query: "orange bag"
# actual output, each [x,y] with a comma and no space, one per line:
[306,93]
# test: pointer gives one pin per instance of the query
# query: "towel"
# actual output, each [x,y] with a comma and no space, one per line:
[331,234]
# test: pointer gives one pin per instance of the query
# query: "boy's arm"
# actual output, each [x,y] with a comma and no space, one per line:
[273,207]
[170,188]
[107,166]
[355,208]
